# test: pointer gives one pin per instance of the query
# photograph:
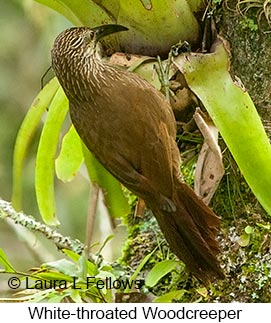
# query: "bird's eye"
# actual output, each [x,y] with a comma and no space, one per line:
[91,34]
[88,36]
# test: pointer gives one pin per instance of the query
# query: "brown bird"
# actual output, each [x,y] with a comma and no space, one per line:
[130,128]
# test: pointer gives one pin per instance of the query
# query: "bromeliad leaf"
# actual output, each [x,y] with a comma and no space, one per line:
[44,177]
[115,200]
[80,12]
[70,157]
[142,19]
[234,114]
[27,130]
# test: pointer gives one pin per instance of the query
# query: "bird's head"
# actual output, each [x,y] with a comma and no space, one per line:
[75,56]
[80,42]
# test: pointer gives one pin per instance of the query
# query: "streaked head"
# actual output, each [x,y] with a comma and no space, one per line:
[75,55]
[81,41]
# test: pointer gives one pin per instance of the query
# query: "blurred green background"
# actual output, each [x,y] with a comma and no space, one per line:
[27,32]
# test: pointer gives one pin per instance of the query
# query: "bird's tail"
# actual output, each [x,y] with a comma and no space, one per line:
[191,232]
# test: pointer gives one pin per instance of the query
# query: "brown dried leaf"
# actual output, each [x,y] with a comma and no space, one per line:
[209,168]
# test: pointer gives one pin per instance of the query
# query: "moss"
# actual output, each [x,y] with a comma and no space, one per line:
[143,237]
[248,268]
[249,23]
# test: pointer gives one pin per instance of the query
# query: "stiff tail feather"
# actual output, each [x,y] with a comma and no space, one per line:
[191,232]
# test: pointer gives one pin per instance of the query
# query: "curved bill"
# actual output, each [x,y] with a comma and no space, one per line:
[105,30]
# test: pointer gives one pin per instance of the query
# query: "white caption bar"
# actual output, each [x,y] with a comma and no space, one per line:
[211,313]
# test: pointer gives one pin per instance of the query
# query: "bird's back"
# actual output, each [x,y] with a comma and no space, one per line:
[125,115]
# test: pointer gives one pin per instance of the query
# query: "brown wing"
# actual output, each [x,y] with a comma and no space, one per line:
[129,129]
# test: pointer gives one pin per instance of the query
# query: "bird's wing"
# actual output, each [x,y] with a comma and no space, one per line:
[136,128]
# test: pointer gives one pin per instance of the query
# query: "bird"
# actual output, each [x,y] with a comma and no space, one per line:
[130,128]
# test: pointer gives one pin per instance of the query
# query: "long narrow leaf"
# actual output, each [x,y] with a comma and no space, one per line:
[115,200]
[26,132]
[5,262]
[111,6]
[45,162]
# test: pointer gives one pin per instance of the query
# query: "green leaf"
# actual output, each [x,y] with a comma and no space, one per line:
[26,132]
[80,12]
[63,266]
[72,255]
[264,226]
[75,295]
[53,275]
[83,266]
[37,297]
[114,197]
[56,297]
[91,267]
[143,20]
[202,291]
[44,177]
[159,271]
[111,7]
[170,296]
[108,238]
[5,262]
[144,67]
[234,114]
[197,5]
[139,268]
[70,157]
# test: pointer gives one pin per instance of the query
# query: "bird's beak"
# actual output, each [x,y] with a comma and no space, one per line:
[105,30]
